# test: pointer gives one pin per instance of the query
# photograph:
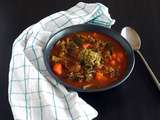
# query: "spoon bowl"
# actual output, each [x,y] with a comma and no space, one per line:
[133,38]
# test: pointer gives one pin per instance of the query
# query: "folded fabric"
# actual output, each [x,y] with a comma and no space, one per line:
[33,93]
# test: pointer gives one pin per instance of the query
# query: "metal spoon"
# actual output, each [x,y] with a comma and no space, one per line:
[133,38]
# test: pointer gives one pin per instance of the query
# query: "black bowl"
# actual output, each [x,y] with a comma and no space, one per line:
[87,27]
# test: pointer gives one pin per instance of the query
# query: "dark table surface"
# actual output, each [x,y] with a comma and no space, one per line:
[137,98]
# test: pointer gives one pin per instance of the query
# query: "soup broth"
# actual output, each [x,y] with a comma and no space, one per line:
[88,60]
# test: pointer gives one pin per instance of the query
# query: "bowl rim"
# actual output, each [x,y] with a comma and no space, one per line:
[63,32]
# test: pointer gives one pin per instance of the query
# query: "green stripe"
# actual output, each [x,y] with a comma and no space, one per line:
[81,116]
[87,13]
[19,39]
[55,107]
[68,20]
[59,107]
[19,54]
[65,23]
[24,34]
[33,92]
[49,105]
[54,21]
[56,17]
[21,66]
[21,80]
[41,25]
[71,12]
[68,107]
[84,113]
[83,8]
[38,73]
[25,89]
[39,57]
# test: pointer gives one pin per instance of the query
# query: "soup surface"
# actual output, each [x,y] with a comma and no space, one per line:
[88,60]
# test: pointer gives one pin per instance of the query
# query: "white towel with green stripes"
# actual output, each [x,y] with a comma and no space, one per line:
[33,94]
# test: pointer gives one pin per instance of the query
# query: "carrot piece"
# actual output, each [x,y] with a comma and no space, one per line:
[57,68]
[119,67]
[100,77]
[113,62]
[114,55]
[94,34]
[120,57]
[86,45]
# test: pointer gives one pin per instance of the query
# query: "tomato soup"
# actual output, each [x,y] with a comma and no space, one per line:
[88,60]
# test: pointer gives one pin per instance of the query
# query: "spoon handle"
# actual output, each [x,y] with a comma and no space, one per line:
[149,69]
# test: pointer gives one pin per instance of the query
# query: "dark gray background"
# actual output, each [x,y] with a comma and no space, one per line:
[137,98]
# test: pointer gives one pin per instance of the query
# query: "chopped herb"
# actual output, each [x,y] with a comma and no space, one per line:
[78,41]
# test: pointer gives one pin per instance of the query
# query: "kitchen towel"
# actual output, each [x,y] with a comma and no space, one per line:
[33,93]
